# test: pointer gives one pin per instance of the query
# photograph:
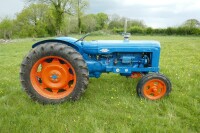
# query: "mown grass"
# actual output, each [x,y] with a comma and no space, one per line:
[110,103]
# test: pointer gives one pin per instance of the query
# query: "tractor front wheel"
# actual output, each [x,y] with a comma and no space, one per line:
[153,86]
[54,73]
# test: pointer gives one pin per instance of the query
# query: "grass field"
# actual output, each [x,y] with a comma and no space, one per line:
[110,103]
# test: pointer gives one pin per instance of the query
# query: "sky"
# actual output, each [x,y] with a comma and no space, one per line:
[154,13]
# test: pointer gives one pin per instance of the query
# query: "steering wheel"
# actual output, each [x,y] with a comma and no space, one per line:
[83,37]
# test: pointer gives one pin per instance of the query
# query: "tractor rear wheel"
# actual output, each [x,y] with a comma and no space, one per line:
[53,73]
[153,86]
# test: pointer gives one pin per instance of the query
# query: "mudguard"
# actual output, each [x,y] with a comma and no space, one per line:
[64,40]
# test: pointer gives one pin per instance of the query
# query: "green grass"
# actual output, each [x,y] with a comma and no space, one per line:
[110,103]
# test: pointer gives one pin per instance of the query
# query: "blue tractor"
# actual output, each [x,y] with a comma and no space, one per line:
[58,70]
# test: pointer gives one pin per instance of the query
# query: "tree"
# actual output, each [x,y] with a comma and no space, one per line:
[191,23]
[60,7]
[136,30]
[117,22]
[137,23]
[32,21]
[102,20]
[6,28]
[72,26]
[80,6]
[89,23]
[114,22]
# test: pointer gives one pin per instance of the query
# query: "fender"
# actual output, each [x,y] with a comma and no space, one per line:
[64,40]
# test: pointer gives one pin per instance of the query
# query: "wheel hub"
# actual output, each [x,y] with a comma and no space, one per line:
[55,76]
[154,89]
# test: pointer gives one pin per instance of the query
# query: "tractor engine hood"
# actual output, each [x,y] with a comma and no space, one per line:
[112,46]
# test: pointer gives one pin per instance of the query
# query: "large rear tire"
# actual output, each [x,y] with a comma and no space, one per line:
[153,86]
[53,73]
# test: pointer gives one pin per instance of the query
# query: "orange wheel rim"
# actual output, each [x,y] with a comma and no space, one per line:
[53,77]
[154,89]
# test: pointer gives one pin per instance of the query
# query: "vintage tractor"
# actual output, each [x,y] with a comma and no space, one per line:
[58,70]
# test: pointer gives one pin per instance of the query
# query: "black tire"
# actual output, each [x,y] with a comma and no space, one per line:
[161,86]
[59,50]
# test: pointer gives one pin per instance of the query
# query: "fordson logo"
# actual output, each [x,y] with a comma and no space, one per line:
[104,50]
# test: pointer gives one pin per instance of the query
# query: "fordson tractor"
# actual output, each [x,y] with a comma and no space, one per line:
[58,70]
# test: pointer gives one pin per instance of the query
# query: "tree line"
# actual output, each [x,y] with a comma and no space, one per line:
[43,18]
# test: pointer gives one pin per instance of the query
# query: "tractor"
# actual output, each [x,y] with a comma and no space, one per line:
[58,70]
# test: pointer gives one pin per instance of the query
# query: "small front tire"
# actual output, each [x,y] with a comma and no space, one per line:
[153,86]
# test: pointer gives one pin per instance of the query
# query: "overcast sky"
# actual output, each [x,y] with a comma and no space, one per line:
[155,13]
